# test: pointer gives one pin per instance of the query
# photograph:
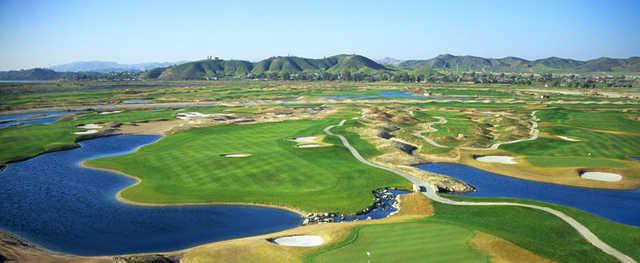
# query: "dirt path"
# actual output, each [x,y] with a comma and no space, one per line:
[432,193]
[441,120]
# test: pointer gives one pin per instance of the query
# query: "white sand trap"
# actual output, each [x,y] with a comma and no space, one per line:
[191,115]
[237,155]
[86,132]
[299,241]
[90,126]
[568,139]
[496,159]
[601,176]
[110,112]
[305,139]
[309,146]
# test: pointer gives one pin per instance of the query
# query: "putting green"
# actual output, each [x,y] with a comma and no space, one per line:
[403,242]
[189,167]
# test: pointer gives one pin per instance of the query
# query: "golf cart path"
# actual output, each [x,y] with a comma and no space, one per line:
[432,194]
[534,132]
[441,120]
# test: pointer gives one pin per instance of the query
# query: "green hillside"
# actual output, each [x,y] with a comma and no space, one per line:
[217,68]
[513,64]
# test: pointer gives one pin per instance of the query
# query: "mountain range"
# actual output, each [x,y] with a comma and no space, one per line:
[339,64]
[514,64]
[108,66]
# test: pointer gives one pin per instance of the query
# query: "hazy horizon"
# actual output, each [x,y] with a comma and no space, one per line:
[43,34]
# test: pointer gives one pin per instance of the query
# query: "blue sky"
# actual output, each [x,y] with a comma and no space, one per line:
[43,33]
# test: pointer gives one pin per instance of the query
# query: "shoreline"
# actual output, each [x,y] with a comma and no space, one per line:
[124,200]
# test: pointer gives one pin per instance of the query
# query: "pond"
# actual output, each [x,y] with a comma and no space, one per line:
[621,206]
[397,95]
[136,101]
[53,202]
[33,118]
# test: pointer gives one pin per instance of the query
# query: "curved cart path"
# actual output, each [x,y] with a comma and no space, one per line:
[441,120]
[432,193]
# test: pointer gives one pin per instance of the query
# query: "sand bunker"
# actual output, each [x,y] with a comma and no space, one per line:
[496,159]
[309,146]
[109,112]
[90,126]
[299,241]
[601,176]
[236,155]
[86,132]
[191,115]
[305,139]
[568,139]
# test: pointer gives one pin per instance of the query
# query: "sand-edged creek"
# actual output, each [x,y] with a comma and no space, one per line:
[53,202]
[622,206]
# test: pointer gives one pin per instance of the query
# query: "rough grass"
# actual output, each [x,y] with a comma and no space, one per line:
[188,168]
[402,242]
[542,233]
[127,116]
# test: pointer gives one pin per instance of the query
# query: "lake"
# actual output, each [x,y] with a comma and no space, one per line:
[53,202]
[621,206]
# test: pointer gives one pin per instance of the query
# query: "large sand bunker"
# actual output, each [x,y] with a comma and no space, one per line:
[601,176]
[299,241]
[496,159]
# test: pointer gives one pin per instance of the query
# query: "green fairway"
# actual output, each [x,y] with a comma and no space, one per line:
[542,233]
[403,242]
[593,148]
[189,167]
[600,120]
[17,143]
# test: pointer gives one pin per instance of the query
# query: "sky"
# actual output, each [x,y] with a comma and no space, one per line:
[46,32]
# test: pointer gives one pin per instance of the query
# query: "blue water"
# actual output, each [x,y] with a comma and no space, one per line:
[383,210]
[637,158]
[622,206]
[32,118]
[395,94]
[53,202]
[136,101]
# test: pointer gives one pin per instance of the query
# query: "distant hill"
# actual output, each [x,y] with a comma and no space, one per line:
[217,68]
[337,67]
[30,74]
[513,64]
[108,66]
[389,61]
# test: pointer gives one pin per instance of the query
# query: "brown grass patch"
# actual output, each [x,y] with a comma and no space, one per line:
[501,251]
[415,203]
[151,128]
